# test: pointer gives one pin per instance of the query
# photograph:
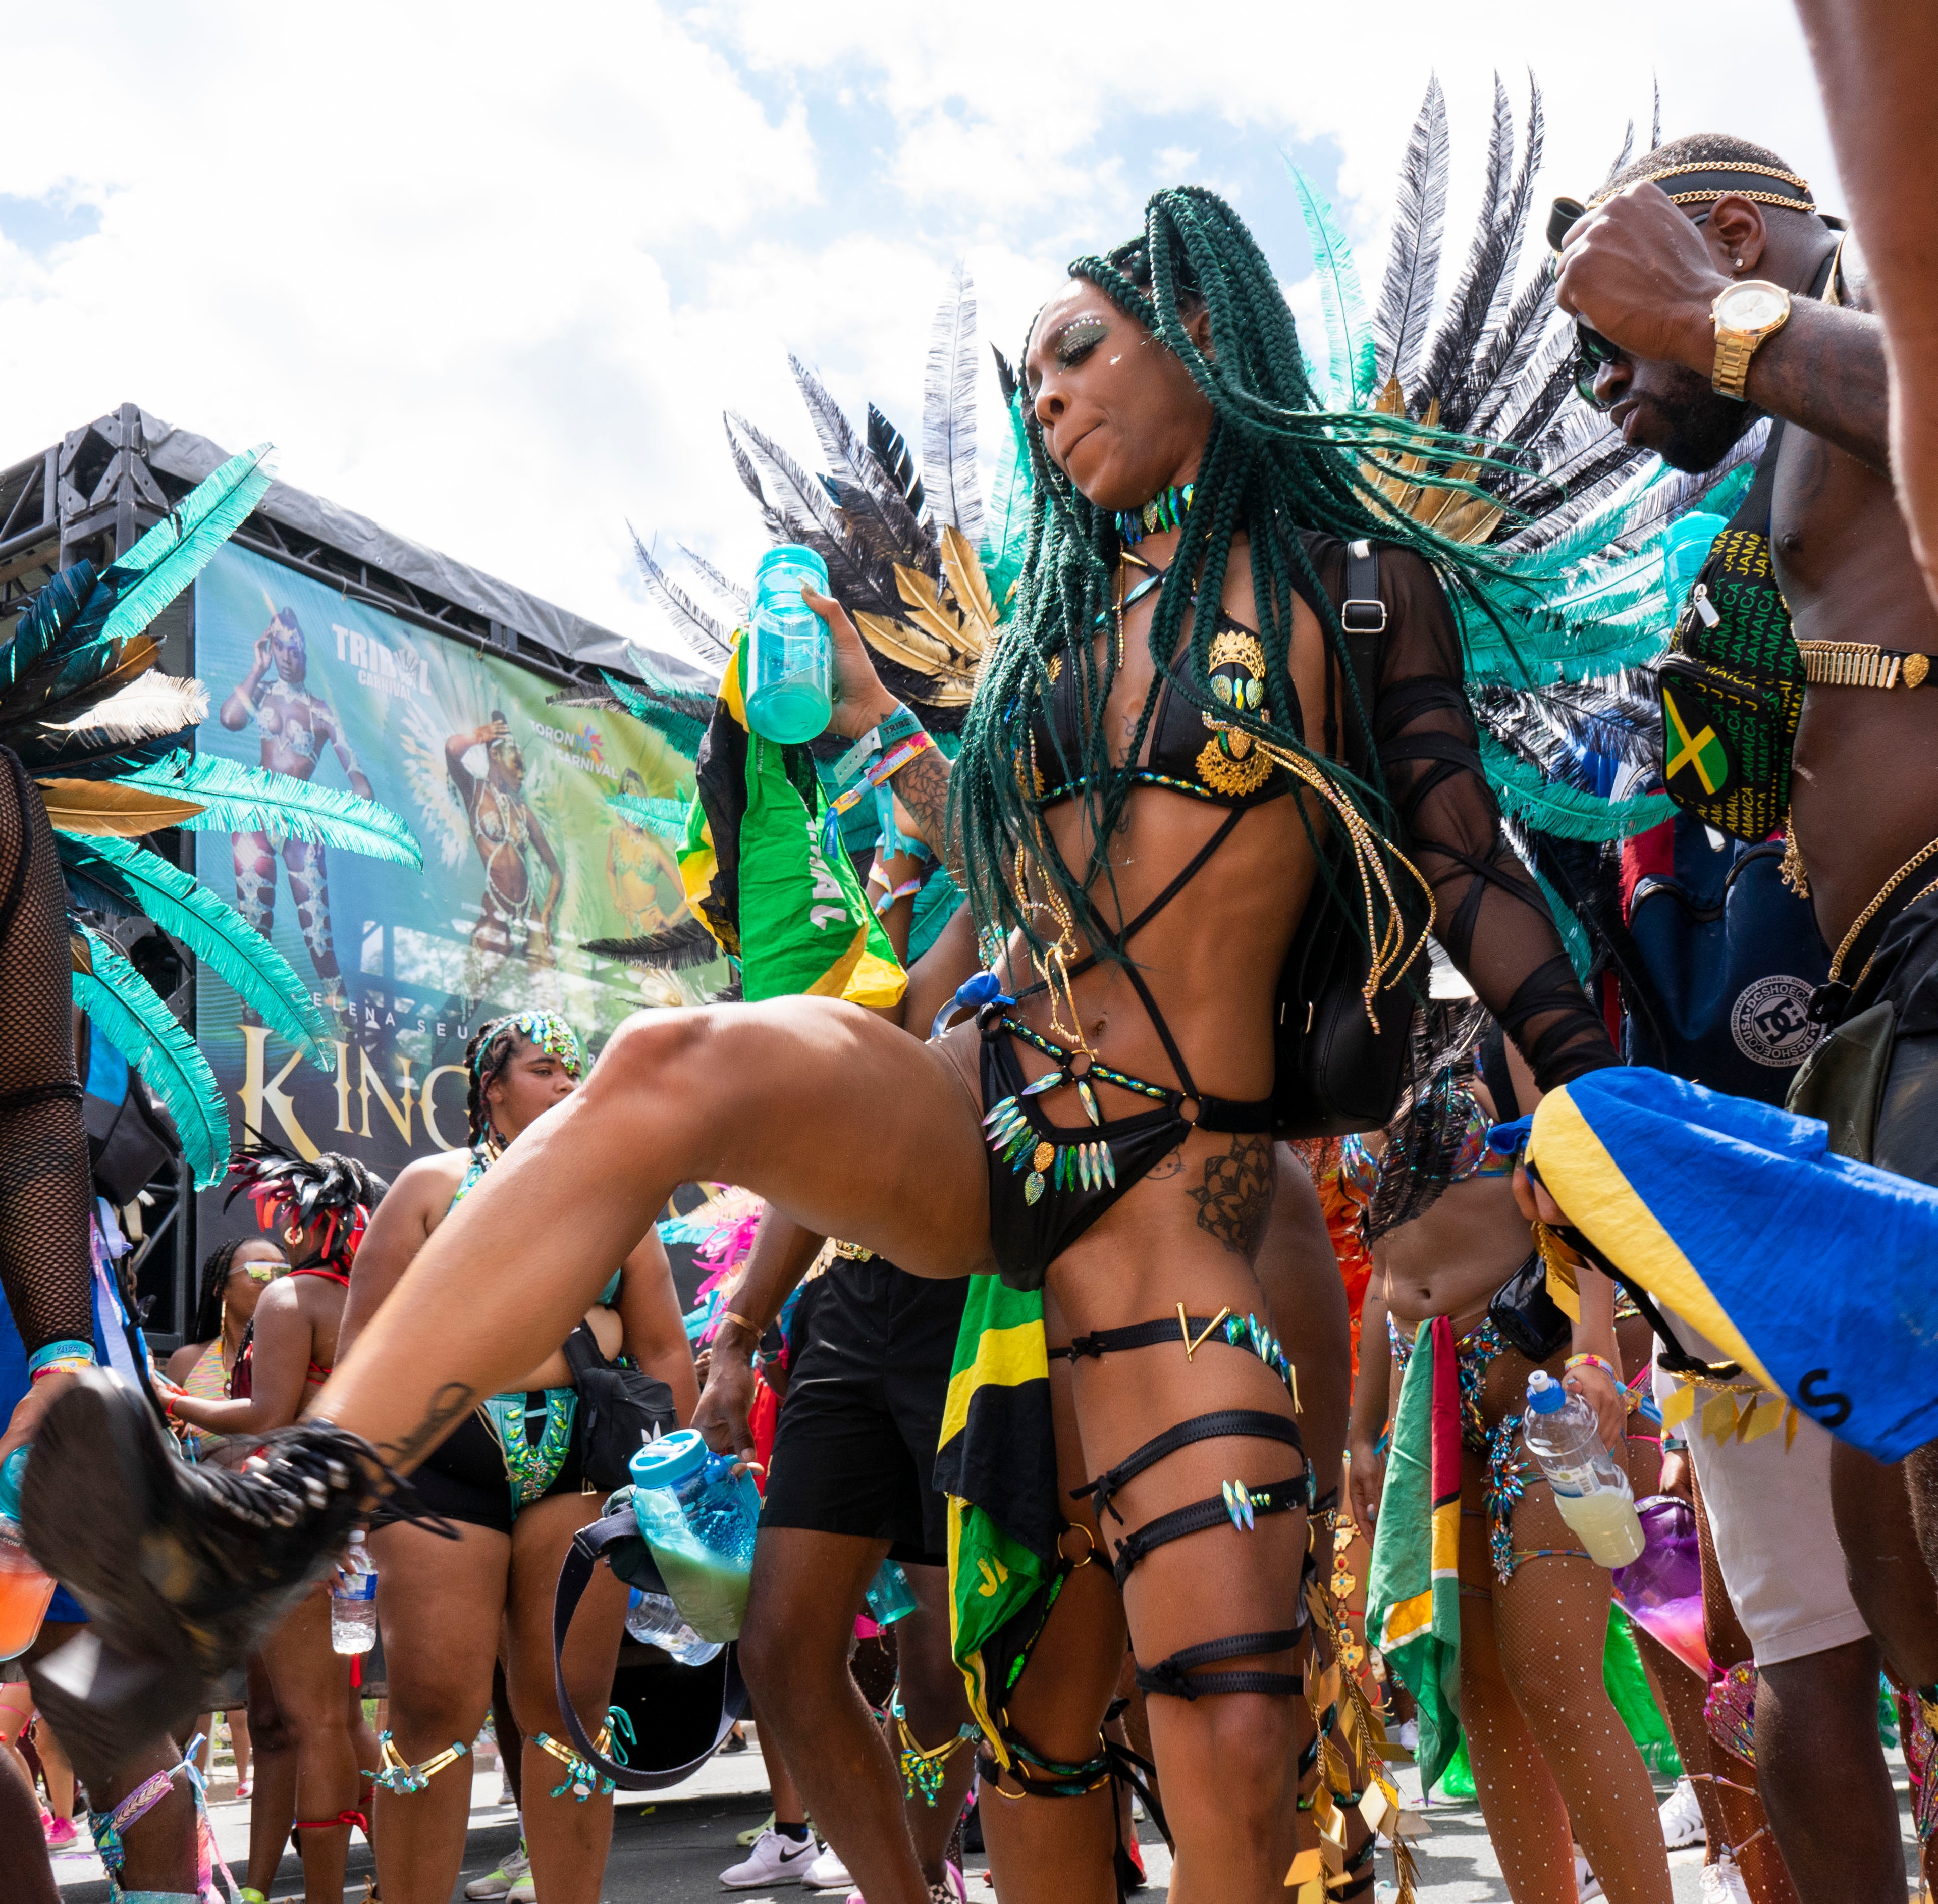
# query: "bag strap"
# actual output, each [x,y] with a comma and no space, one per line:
[1753,512]
[581,1351]
[1363,616]
[589,1546]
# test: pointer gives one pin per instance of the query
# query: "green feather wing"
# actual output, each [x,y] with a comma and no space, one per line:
[668,709]
[237,798]
[170,556]
[666,818]
[215,932]
[1006,522]
[1350,342]
[124,1007]
[1526,794]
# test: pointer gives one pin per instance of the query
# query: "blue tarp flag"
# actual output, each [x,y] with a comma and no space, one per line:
[1818,1274]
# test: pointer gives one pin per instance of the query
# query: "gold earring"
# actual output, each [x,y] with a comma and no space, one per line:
[293,1233]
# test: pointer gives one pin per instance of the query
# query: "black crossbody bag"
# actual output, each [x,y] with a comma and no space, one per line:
[620,1410]
[1335,1072]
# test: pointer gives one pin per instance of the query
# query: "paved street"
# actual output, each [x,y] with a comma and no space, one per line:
[671,1851]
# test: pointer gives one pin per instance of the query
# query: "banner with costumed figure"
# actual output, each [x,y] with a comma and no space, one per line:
[541,827]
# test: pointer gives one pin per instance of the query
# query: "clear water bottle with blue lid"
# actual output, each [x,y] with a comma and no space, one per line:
[790,654]
[1591,1488]
[698,1516]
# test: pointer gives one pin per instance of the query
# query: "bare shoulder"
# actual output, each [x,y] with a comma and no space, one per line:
[181,1364]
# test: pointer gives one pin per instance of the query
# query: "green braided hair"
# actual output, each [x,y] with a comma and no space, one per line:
[1275,463]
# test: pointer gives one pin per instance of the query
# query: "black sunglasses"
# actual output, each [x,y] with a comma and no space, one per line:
[1592,351]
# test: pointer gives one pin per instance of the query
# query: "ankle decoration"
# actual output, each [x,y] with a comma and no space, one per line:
[923,1769]
[582,1778]
[395,1774]
[109,1838]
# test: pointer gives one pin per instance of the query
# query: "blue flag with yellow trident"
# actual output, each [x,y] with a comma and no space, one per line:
[1819,1275]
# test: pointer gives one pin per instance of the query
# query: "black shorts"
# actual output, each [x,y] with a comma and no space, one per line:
[855,1452]
[463,1478]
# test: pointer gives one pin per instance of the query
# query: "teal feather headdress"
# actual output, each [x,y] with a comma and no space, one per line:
[102,730]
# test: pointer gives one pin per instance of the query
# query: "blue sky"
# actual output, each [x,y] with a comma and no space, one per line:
[494,286]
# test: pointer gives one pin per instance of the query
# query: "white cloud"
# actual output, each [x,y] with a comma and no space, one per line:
[489,275]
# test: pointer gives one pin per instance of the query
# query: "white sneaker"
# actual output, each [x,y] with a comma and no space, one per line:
[774,1860]
[1587,1884]
[1682,1818]
[827,1872]
[1722,1883]
[498,1883]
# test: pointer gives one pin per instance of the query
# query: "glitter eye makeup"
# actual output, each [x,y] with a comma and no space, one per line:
[1078,338]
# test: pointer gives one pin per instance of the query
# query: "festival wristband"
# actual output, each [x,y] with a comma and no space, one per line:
[53,1355]
[1601,1362]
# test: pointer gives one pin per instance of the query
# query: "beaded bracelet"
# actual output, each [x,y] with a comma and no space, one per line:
[1601,1362]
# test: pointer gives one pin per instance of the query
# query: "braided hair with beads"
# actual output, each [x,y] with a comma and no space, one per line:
[1274,464]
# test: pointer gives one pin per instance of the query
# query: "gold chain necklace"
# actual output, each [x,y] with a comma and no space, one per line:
[1870,912]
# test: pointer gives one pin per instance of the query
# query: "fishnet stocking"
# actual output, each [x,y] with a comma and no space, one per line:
[45,1270]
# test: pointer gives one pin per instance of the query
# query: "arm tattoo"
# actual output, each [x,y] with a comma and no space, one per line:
[922,787]
[1237,1198]
[451,1402]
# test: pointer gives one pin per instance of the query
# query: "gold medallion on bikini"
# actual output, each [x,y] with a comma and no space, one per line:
[1229,763]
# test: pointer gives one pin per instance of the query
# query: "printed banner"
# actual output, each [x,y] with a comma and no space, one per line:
[523,861]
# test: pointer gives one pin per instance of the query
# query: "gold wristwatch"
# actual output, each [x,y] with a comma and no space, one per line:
[1743,315]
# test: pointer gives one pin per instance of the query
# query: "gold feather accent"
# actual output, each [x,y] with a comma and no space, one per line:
[922,654]
[1451,513]
[970,588]
[948,631]
[105,807]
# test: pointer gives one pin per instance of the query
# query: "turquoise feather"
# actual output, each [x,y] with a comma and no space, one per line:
[1574,933]
[1350,342]
[124,1007]
[236,797]
[215,932]
[170,556]
[1005,521]
[682,732]
[666,818]
[1553,807]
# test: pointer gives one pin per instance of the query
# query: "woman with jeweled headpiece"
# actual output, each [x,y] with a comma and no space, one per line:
[1228,707]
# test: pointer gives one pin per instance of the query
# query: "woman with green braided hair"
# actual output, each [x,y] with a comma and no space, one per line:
[1167,738]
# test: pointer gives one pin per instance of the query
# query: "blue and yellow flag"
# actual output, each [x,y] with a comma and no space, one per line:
[1819,1275]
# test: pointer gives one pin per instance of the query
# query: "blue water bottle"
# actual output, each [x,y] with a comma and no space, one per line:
[890,1596]
[698,1517]
[790,656]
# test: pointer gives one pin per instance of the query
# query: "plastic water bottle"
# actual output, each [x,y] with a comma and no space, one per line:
[698,1517]
[1590,1489]
[352,1602]
[890,1596]
[25,1590]
[654,1620]
[790,655]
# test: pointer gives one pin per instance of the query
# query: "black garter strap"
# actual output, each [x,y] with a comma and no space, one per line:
[1142,1335]
[1250,1423]
[1174,1676]
[1278,1497]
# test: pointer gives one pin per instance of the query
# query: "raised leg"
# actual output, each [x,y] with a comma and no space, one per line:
[440,1606]
[840,1119]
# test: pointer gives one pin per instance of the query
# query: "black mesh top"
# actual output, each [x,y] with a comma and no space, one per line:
[45,1269]
[1491,916]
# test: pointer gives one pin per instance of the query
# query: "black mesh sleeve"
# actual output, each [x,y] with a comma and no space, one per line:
[1491,916]
[45,1269]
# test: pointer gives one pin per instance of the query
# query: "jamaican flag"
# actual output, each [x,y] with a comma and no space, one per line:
[755,874]
[997,1463]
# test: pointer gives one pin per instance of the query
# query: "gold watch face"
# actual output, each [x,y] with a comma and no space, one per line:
[1754,306]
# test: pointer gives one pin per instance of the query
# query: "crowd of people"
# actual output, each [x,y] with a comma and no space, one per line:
[1155,1282]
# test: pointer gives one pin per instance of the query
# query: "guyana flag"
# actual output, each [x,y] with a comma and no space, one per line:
[997,1463]
[755,874]
[1413,1589]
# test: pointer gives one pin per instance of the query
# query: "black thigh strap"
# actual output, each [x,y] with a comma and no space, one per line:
[590,1545]
[1253,1423]
[1143,1335]
[1179,1677]
[1278,1497]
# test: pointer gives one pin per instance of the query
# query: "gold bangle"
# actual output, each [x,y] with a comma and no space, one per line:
[754,1329]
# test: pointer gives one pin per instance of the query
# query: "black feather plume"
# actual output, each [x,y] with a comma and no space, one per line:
[1458,338]
[1413,266]
[678,948]
[885,443]
[709,636]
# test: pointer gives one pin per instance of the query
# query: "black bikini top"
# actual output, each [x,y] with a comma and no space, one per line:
[1183,751]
